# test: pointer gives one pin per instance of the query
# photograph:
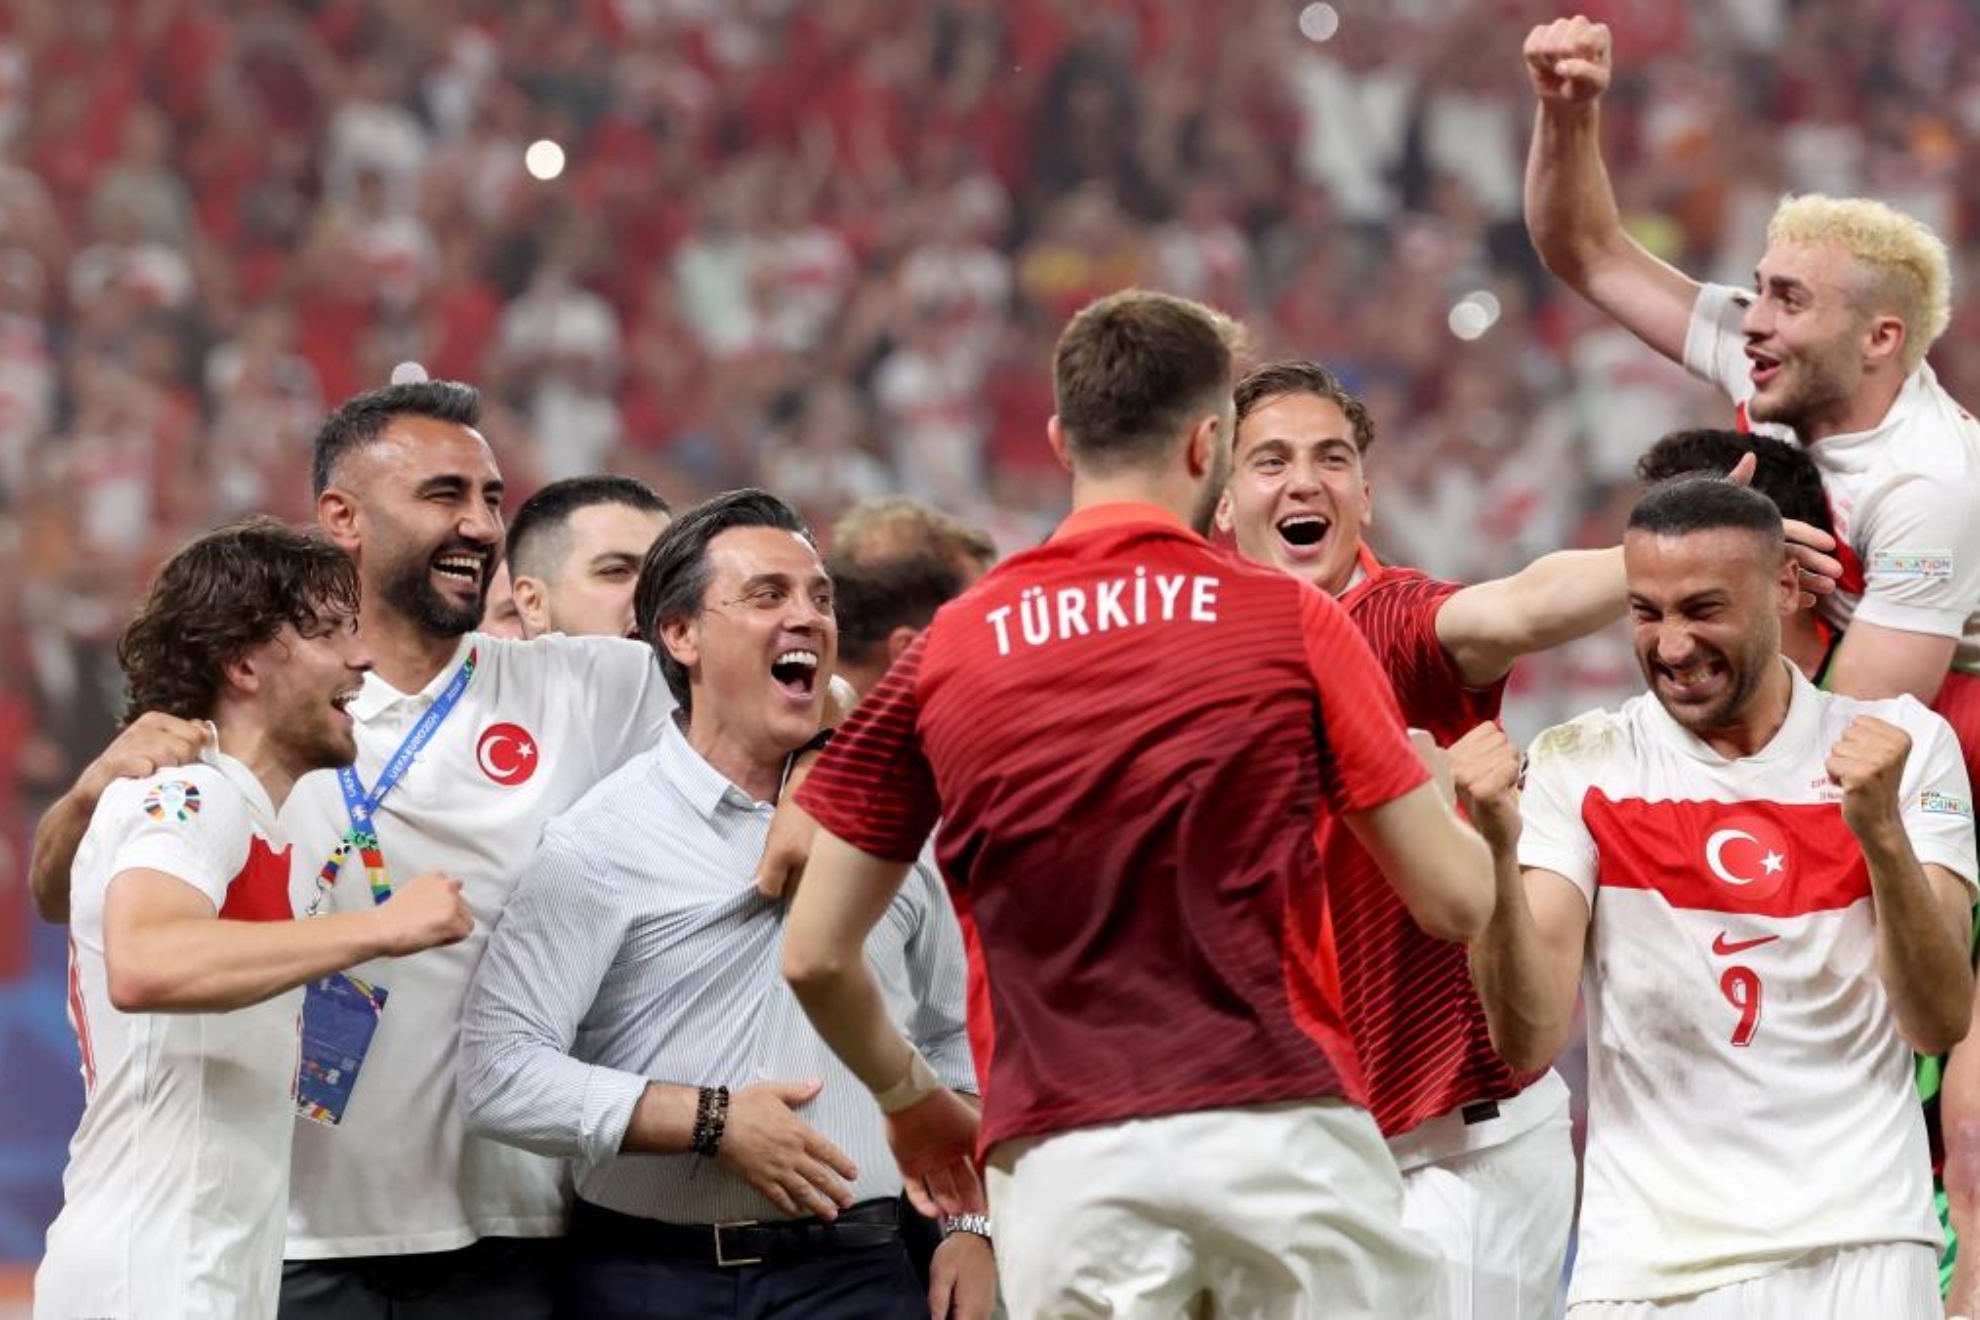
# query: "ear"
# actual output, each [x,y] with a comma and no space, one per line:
[900,640]
[1225,519]
[243,672]
[532,604]
[337,515]
[1055,435]
[682,638]
[1204,438]
[1368,498]
[1787,587]
[1885,342]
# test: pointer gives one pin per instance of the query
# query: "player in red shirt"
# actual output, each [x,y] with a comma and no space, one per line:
[1172,1104]
[1487,1163]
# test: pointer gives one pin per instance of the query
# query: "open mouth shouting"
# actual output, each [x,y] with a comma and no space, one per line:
[1700,681]
[467,569]
[1765,369]
[341,702]
[1303,534]
[795,672]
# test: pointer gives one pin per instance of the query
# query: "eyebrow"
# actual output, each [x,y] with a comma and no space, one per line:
[1783,283]
[1711,596]
[785,580]
[1281,445]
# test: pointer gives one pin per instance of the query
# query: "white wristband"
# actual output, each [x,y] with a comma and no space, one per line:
[916,1084]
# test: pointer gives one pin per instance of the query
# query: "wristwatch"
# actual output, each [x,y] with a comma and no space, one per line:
[977,1224]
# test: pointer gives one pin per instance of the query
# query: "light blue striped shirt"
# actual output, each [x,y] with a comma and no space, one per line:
[637,947]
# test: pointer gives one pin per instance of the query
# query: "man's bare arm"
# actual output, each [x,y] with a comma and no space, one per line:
[152,742]
[931,1129]
[1874,661]
[1439,867]
[1924,911]
[166,951]
[1527,962]
[1554,599]
[1570,204]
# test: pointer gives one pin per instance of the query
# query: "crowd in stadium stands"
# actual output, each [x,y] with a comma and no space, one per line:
[826,248]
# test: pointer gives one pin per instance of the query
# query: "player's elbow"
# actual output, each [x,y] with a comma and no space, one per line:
[51,904]
[136,987]
[1454,900]
[1458,915]
[1937,1031]
[1962,1138]
[812,967]
[1526,1053]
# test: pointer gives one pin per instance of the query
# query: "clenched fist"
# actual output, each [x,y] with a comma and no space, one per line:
[1485,766]
[424,914]
[1867,763]
[1568,60]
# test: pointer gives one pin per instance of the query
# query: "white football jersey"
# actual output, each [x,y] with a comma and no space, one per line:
[538,725]
[1903,494]
[1750,1099]
[172,1200]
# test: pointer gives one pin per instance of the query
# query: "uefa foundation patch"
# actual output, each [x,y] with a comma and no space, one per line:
[173,800]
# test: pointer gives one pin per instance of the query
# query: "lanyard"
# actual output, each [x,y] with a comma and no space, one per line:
[362,807]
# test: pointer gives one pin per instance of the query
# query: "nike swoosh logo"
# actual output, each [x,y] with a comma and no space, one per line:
[1723,946]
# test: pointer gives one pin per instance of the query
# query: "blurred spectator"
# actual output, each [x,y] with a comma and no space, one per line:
[826,248]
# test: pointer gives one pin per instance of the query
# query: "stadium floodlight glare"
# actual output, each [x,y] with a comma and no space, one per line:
[1473,315]
[544,160]
[1319,21]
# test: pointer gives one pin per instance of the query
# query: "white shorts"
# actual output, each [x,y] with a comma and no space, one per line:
[1889,1281]
[1497,1221]
[1280,1212]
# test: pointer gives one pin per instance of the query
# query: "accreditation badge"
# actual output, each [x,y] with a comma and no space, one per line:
[339,1018]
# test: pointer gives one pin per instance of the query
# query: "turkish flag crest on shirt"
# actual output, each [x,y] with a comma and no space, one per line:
[1749,855]
[506,753]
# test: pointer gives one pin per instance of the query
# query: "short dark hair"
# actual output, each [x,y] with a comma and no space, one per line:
[875,596]
[673,579]
[896,525]
[1131,369]
[1785,473]
[536,532]
[218,598]
[1277,379]
[361,419]
[1692,503]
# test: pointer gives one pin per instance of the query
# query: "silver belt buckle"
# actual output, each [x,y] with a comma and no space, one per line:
[722,1259]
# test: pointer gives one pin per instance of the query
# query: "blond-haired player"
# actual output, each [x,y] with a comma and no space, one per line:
[1828,346]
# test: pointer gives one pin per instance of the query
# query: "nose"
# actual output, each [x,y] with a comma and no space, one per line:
[1757,320]
[1674,644]
[804,614]
[482,523]
[1303,479]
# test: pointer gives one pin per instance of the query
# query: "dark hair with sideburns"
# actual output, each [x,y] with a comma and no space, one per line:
[218,598]
[673,580]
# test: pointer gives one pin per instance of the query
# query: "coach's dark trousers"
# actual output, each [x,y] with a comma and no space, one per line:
[495,1279]
[619,1267]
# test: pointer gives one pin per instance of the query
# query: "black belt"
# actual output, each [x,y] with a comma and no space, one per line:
[866,1225]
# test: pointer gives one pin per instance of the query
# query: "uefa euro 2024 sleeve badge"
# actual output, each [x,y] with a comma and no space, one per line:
[173,800]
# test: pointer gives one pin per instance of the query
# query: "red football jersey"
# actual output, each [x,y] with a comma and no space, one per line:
[1417,1023]
[1131,739]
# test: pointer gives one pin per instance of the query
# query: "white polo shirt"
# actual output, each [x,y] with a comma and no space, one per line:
[180,1166]
[1749,1098]
[539,724]
[1905,494]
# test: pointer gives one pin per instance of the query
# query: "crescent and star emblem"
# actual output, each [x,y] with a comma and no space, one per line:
[1772,863]
[506,753]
